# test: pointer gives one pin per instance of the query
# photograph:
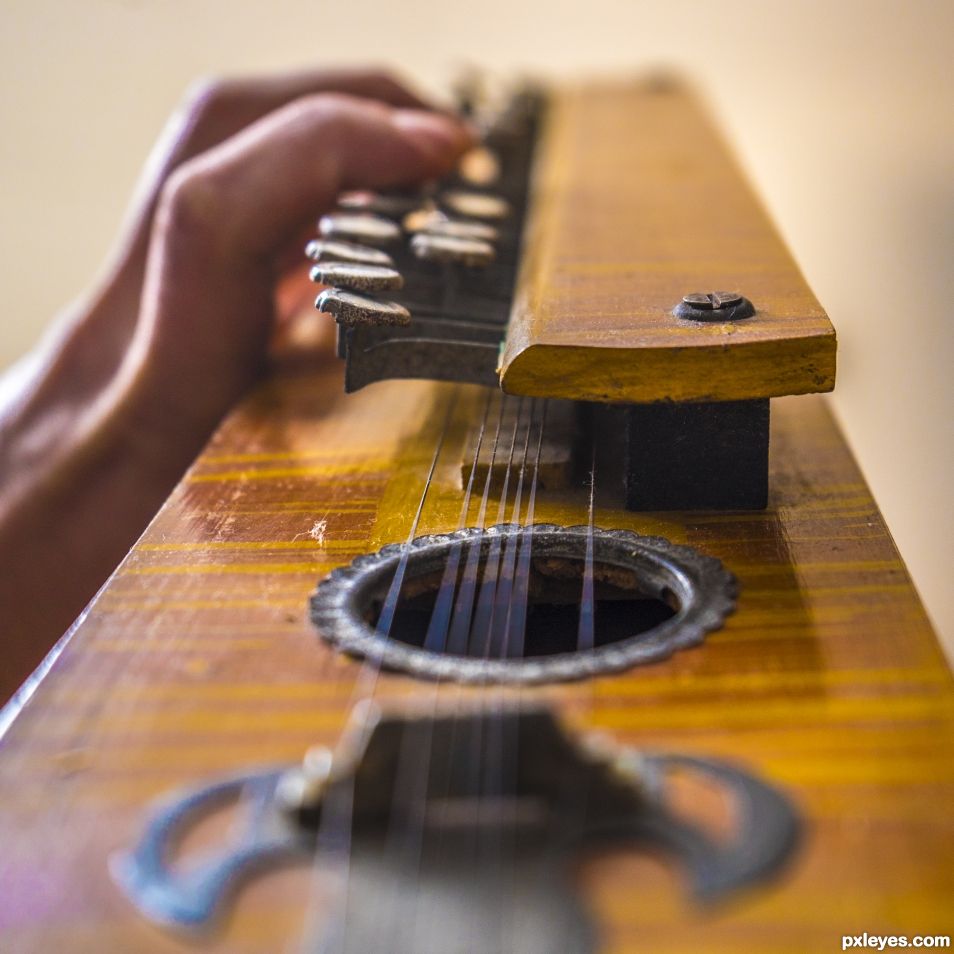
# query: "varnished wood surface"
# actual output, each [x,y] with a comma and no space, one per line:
[636,203]
[198,658]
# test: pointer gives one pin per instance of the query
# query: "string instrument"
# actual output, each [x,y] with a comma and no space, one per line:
[556,616]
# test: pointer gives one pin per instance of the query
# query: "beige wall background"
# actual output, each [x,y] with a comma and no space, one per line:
[840,110]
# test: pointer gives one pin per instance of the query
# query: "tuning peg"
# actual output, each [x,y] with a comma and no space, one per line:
[448,248]
[357,276]
[322,250]
[353,308]
[437,223]
[393,205]
[362,228]
[475,205]
[479,166]
[473,231]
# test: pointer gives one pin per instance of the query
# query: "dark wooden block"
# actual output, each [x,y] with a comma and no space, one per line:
[711,456]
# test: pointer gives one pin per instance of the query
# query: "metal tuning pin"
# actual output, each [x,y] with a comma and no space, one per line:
[354,308]
[393,205]
[330,250]
[479,166]
[437,223]
[357,276]
[360,227]
[451,249]
[475,205]
[453,228]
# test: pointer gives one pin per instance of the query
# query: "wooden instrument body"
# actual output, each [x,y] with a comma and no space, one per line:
[198,658]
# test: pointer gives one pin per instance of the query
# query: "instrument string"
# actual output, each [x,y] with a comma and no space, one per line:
[463,605]
[435,639]
[505,733]
[517,609]
[440,788]
[335,829]
[573,792]
[479,624]
[386,617]
[406,827]
[482,626]
[586,635]
[486,775]
[407,816]
[503,597]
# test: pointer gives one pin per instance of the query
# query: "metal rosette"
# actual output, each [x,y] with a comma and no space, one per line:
[702,590]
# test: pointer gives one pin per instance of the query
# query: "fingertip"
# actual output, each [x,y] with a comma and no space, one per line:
[441,136]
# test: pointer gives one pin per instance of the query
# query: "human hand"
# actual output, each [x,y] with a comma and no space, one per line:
[237,176]
[141,371]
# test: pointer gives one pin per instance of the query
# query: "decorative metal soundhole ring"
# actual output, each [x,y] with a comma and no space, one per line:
[702,589]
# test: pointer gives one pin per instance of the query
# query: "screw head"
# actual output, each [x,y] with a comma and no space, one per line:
[712,300]
[717,306]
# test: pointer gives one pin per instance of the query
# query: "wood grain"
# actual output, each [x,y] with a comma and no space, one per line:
[198,658]
[636,203]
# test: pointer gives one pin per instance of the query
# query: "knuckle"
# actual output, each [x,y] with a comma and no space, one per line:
[189,203]
[339,111]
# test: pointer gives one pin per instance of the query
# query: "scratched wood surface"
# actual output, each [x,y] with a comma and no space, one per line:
[198,658]
[637,203]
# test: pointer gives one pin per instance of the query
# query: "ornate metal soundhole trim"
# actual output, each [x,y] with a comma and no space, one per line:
[701,588]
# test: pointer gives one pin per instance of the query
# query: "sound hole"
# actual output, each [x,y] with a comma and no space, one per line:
[621,609]
[650,598]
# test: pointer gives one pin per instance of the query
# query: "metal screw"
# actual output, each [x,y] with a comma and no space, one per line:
[710,300]
[714,306]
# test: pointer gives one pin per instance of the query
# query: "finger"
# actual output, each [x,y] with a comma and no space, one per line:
[252,192]
[214,110]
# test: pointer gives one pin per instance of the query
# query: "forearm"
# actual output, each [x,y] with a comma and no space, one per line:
[79,479]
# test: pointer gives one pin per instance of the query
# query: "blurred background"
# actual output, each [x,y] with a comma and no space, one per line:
[841,112]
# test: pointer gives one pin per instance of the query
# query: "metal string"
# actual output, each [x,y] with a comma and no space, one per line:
[438,629]
[405,834]
[515,599]
[481,628]
[414,768]
[386,617]
[517,610]
[485,773]
[501,765]
[335,828]
[438,626]
[574,791]
[498,630]
[463,605]
[586,637]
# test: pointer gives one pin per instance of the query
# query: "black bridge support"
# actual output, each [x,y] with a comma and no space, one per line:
[710,456]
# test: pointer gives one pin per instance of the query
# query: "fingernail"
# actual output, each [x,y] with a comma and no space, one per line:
[437,133]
